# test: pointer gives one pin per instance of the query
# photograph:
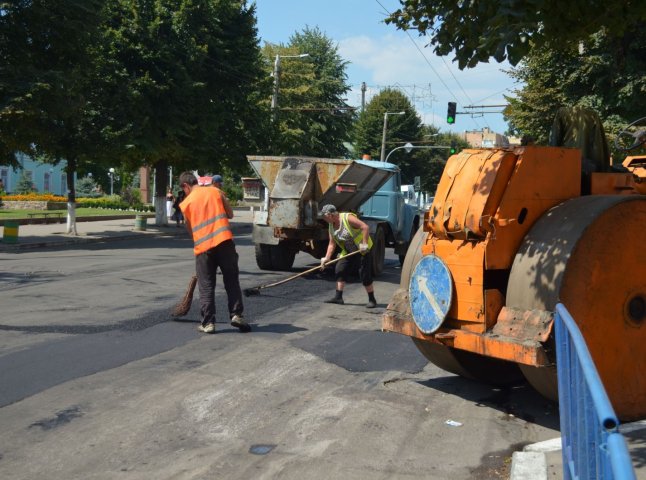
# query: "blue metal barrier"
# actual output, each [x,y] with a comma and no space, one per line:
[591,443]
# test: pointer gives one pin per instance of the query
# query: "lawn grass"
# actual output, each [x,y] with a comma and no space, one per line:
[80,212]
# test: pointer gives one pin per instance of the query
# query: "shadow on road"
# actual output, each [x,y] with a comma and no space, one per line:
[516,401]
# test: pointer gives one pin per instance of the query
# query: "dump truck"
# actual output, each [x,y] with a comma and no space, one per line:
[299,186]
[512,232]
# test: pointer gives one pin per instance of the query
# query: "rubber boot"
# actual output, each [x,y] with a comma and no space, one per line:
[372,303]
[338,298]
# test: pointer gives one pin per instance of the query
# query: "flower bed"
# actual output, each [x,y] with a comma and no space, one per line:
[36,201]
[35,197]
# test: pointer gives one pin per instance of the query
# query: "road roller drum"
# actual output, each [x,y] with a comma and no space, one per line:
[590,254]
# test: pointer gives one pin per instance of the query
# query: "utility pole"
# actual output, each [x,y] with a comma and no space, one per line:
[363,96]
[276,74]
[274,97]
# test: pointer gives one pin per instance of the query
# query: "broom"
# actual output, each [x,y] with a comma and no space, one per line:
[184,305]
[256,290]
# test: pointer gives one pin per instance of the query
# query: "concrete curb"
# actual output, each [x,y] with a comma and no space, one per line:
[531,463]
[66,241]
[528,466]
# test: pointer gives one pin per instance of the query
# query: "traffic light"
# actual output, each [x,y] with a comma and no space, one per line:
[450,114]
[454,147]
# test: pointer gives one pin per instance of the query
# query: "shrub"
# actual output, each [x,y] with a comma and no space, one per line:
[132,197]
[233,191]
[86,187]
[25,185]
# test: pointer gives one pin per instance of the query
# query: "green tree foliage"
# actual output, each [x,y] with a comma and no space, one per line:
[312,117]
[368,131]
[47,86]
[508,29]
[604,73]
[191,77]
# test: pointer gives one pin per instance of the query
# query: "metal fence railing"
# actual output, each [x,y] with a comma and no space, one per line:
[592,446]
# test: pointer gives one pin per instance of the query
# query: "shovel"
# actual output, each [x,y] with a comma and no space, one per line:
[256,290]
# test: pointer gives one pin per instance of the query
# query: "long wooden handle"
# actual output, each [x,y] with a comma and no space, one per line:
[313,269]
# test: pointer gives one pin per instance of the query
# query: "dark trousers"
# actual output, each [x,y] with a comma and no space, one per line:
[206,264]
[346,266]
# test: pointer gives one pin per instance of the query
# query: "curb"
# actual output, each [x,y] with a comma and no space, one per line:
[62,220]
[528,466]
[531,462]
[237,229]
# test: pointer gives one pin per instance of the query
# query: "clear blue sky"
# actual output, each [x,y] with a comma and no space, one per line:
[382,56]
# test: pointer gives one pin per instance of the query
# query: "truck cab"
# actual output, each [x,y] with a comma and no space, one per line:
[389,210]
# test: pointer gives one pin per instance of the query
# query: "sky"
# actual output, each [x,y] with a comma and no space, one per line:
[382,56]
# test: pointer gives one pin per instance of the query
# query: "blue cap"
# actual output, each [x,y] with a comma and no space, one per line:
[217,179]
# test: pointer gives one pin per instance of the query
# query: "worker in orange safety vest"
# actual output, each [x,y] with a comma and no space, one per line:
[207,212]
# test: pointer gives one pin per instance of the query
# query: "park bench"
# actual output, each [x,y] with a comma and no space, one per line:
[46,216]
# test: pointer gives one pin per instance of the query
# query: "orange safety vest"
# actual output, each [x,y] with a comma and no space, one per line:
[204,210]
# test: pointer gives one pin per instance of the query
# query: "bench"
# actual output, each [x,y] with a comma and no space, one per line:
[46,216]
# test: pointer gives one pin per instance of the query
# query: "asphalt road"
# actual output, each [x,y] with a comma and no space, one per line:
[98,382]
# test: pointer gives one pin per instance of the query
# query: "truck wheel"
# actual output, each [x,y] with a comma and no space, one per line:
[413,231]
[263,256]
[282,257]
[378,251]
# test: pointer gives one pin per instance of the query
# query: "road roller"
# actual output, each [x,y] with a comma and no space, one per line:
[512,232]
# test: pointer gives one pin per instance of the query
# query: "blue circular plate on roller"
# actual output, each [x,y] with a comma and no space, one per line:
[430,293]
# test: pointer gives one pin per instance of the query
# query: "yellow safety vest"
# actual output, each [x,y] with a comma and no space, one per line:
[357,234]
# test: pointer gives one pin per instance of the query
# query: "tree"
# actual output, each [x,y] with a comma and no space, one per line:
[47,83]
[603,73]
[509,30]
[368,130]
[191,75]
[25,184]
[86,187]
[312,117]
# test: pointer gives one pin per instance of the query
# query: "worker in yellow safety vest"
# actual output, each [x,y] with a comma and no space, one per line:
[350,234]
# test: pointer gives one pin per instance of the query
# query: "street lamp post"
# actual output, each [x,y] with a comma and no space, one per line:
[383,138]
[274,97]
[111,173]
[409,146]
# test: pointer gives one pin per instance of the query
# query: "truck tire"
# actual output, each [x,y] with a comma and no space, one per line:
[282,257]
[378,251]
[263,256]
[413,231]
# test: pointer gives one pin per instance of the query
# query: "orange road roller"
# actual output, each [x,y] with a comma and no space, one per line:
[512,232]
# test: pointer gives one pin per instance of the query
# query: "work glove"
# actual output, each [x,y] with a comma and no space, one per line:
[324,260]
[363,248]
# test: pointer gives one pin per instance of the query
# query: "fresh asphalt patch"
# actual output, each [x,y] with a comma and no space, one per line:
[363,351]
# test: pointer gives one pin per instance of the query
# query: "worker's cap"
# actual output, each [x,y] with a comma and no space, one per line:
[217,178]
[327,209]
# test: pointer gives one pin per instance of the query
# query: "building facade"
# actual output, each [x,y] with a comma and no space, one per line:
[485,138]
[45,177]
